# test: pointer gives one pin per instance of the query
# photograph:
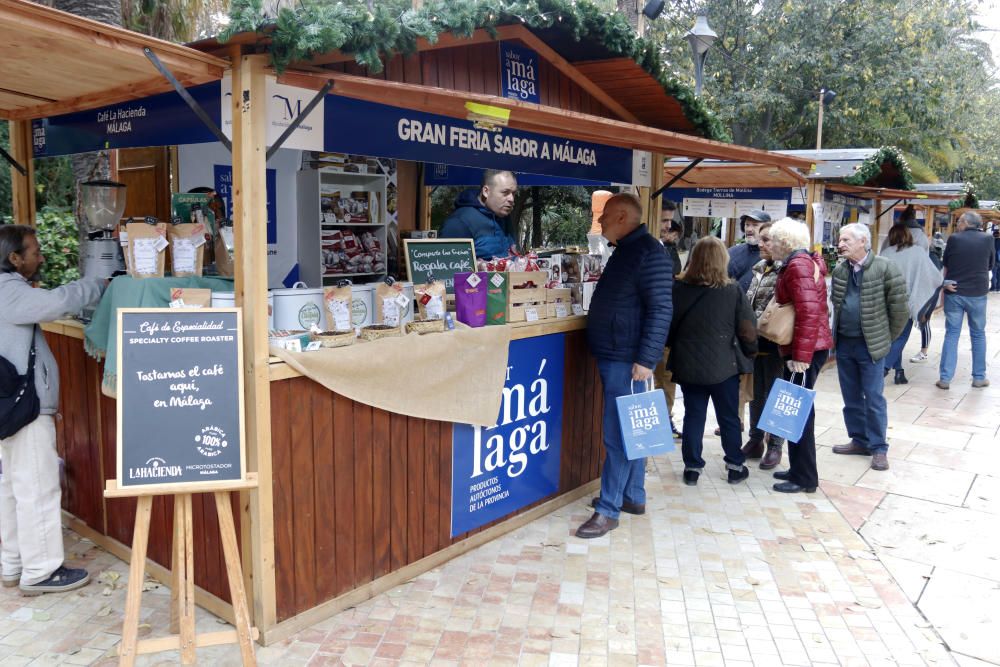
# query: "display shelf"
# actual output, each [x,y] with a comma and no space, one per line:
[329,192]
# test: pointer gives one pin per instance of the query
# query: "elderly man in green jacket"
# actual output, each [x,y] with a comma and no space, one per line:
[869,306]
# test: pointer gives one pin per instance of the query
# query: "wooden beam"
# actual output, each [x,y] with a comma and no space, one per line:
[656,205]
[538,118]
[249,102]
[22,187]
[879,208]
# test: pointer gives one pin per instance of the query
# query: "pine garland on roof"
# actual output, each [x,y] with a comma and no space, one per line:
[312,27]
[872,167]
[969,198]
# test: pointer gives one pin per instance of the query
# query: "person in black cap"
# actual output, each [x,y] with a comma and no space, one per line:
[743,256]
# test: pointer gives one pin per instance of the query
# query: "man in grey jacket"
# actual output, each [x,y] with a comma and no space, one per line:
[31,553]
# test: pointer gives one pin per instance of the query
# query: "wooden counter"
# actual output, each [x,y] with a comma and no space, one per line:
[362,497]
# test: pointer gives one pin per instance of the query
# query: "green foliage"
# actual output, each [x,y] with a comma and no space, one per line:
[968,200]
[311,27]
[54,185]
[56,231]
[872,167]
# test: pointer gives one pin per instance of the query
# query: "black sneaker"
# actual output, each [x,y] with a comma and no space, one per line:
[63,579]
[737,476]
[691,477]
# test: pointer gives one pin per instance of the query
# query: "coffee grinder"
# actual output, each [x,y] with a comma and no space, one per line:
[103,206]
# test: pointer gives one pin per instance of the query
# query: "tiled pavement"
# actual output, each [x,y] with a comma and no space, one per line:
[710,575]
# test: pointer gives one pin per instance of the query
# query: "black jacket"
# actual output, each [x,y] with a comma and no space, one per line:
[702,343]
[675,257]
[630,311]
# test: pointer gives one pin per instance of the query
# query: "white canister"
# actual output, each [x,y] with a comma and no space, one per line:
[228,300]
[362,305]
[298,308]
[408,312]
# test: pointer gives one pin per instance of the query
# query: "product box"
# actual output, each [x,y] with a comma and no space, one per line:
[583,293]
[558,295]
[293,341]
[527,312]
[421,234]
[497,284]
[581,268]
[526,286]
[471,297]
[552,266]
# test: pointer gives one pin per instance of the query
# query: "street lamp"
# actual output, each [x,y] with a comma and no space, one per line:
[825,97]
[700,38]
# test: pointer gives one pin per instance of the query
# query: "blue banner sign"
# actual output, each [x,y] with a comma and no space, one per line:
[519,72]
[224,188]
[500,469]
[159,120]
[380,130]
[446,174]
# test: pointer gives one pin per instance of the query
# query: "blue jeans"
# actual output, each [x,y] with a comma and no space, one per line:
[861,383]
[995,281]
[895,357]
[955,306]
[726,399]
[621,479]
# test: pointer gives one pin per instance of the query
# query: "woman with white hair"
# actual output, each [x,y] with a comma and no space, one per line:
[801,282]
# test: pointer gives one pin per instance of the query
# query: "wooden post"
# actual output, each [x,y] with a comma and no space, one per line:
[876,230]
[814,195]
[656,206]
[22,187]
[929,213]
[250,227]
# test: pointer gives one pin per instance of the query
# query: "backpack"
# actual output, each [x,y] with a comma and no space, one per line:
[19,405]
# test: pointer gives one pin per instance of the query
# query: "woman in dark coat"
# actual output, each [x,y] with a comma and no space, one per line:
[801,282]
[713,336]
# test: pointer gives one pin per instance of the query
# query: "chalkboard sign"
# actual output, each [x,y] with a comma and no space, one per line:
[180,398]
[438,259]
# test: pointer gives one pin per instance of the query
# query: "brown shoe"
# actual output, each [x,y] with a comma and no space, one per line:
[880,461]
[627,507]
[754,449]
[772,458]
[596,526]
[852,448]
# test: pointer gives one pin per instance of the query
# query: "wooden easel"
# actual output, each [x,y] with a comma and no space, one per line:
[182,590]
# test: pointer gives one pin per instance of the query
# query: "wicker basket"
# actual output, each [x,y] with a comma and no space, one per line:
[425,326]
[376,331]
[335,338]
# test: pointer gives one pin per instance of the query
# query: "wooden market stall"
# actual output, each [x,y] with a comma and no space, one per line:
[352,499]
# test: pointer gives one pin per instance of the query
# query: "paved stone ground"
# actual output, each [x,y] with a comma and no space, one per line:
[893,568]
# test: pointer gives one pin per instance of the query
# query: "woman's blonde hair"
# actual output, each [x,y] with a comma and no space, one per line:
[708,263]
[788,235]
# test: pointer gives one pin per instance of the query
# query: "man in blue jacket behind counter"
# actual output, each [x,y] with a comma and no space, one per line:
[627,329]
[481,215]
[744,256]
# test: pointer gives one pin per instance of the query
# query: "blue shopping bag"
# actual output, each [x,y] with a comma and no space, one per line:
[787,409]
[644,423]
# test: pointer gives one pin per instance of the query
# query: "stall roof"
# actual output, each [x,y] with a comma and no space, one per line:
[537,118]
[52,62]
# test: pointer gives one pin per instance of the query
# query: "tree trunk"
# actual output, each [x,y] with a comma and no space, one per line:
[630,9]
[536,217]
[87,166]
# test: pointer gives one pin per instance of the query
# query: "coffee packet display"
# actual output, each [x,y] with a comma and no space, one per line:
[337,301]
[390,303]
[496,297]
[187,249]
[470,298]
[431,300]
[147,243]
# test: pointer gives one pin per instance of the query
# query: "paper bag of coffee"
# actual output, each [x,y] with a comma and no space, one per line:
[147,243]
[337,301]
[431,300]
[390,303]
[496,297]
[225,250]
[470,298]
[187,249]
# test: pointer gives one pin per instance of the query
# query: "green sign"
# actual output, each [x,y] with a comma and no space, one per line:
[438,259]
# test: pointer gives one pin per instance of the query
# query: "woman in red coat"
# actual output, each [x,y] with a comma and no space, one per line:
[801,282]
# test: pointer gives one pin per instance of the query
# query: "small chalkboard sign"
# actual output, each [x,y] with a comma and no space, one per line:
[180,398]
[438,259]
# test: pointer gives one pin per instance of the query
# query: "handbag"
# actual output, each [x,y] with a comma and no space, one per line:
[777,322]
[787,409]
[19,404]
[644,423]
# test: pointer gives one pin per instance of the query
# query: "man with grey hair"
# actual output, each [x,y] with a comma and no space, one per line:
[869,312]
[627,329]
[968,260]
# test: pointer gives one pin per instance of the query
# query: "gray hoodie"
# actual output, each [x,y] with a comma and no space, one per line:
[21,307]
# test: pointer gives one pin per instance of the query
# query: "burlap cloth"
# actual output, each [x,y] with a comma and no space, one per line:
[455,376]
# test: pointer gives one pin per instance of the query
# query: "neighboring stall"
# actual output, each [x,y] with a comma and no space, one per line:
[358,495]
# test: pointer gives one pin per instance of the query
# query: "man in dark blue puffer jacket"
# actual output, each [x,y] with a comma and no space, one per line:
[627,329]
[744,256]
[481,215]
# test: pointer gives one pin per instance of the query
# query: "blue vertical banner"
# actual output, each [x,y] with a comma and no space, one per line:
[224,188]
[499,469]
[519,73]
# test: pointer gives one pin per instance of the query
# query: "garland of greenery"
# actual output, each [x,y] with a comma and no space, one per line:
[872,167]
[969,198]
[312,27]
